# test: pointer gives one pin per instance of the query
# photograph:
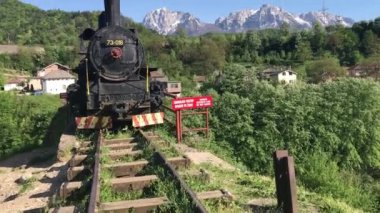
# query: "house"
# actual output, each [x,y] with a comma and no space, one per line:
[14,84]
[56,82]
[51,68]
[364,71]
[170,87]
[174,88]
[282,76]
[35,84]
[158,75]
[52,79]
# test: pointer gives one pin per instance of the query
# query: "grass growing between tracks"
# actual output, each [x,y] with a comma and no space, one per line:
[166,185]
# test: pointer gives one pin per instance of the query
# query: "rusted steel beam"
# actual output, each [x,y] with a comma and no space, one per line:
[115,155]
[118,141]
[285,181]
[278,174]
[73,172]
[126,169]
[77,160]
[68,188]
[126,146]
[132,183]
[136,206]
[291,187]
[214,195]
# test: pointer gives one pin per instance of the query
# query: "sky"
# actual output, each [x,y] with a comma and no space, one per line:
[210,10]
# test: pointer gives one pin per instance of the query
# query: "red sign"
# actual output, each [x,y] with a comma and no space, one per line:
[192,103]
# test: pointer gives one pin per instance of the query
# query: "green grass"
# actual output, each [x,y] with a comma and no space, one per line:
[246,185]
[125,133]
[27,185]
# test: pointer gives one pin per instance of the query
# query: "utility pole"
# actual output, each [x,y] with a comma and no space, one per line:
[324,12]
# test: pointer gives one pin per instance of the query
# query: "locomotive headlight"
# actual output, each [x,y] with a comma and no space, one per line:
[116,52]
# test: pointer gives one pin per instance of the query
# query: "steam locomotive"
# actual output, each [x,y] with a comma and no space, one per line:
[113,79]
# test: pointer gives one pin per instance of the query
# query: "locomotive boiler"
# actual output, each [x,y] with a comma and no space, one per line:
[113,78]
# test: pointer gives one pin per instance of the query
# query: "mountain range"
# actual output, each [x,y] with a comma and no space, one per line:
[167,22]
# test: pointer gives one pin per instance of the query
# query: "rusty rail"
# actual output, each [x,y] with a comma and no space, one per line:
[94,196]
[199,208]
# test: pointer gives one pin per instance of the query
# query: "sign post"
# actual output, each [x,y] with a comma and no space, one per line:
[191,103]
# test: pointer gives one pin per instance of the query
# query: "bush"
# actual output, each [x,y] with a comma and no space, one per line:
[24,121]
[339,119]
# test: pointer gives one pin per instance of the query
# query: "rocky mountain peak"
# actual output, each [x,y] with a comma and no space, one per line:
[166,22]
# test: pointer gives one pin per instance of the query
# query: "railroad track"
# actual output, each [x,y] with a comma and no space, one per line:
[138,174]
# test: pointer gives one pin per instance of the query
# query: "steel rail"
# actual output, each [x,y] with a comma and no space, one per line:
[199,208]
[94,196]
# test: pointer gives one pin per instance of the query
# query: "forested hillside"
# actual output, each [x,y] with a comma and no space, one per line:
[58,32]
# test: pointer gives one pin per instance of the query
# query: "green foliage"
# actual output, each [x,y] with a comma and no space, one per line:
[324,69]
[339,119]
[25,120]
[322,175]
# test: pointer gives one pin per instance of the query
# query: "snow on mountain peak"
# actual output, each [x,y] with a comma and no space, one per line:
[166,22]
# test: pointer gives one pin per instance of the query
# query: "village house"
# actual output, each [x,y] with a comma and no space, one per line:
[56,82]
[14,84]
[364,71]
[170,87]
[53,79]
[281,76]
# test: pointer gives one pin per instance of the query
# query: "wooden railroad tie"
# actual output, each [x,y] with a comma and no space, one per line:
[126,169]
[86,144]
[68,188]
[68,209]
[115,155]
[77,160]
[118,141]
[132,183]
[179,162]
[138,206]
[73,172]
[121,146]
[83,150]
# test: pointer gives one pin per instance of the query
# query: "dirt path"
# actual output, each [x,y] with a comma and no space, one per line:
[44,174]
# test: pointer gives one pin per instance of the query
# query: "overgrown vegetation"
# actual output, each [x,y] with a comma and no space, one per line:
[331,129]
[24,121]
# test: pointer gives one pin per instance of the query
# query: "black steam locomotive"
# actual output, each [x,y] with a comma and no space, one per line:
[113,79]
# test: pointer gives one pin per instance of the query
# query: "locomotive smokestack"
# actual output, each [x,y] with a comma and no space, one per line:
[112,12]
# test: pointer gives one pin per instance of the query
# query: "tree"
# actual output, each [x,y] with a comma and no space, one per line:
[370,43]
[324,69]
[303,50]
[318,39]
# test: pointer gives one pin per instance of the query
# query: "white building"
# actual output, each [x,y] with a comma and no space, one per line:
[14,84]
[56,82]
[279,76]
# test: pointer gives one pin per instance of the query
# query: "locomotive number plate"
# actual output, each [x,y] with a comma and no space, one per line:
[114,42]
